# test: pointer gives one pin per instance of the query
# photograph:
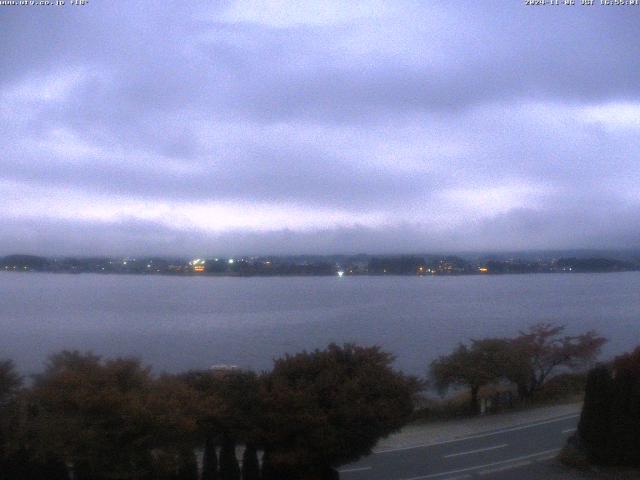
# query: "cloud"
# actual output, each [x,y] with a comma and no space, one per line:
[286,13]
[621,117]
[360,126]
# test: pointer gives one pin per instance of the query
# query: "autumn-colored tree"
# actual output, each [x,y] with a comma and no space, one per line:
[93,414]
[527,360]
[10,381]
[209,459]
[483,362]
[267,471]
[329,407]
[187,465]
[250,465]
[229,468]
[176,409]
[106,418]
[18,459]
[230,400]
[542,350]
[230,414]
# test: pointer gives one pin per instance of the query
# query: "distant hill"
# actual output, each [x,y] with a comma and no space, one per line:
[24,262]
[595,264]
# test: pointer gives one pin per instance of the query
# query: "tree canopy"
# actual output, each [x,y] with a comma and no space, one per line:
[105,417]
[483,362]
[10,381]
[609,427]
[115,419]
[527,360]
[329,407]
[545,350]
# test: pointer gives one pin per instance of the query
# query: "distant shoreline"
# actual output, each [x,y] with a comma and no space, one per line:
[325,266]
[229,275]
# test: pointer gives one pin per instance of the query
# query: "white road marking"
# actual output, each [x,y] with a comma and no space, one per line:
[495,447]
[504,468]
[546,458]
[358,469]
[478,467]
[569,430]
[481,435]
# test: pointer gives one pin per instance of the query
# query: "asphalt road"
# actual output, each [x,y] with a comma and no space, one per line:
[492,455]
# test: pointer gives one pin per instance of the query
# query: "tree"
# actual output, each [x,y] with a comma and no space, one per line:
[594,428]
[187,465]
[483,362]
[229,468]
[230,413]
[17,459]
[527,360]
[22,464]
[106,417]
[542,350]
[14,462]
[10,381]
[625,410]
[230,401]
[609,426]
[209,460]
[176,409]
[267,472]
[93,414]
[250,465]
[329,407]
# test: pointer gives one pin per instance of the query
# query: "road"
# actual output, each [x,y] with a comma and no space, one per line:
[490,455]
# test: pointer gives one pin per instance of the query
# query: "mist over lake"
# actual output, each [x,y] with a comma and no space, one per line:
[178,323]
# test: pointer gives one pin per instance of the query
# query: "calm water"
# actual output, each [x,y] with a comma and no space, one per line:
[175,323]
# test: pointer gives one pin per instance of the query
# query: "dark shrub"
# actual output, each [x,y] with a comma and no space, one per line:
[594,428]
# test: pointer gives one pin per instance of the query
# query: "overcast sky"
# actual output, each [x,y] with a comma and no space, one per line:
[331,127]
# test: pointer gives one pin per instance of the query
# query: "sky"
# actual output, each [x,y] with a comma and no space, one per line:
[272,127]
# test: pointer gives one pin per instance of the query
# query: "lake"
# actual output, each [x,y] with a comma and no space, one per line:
[177,323]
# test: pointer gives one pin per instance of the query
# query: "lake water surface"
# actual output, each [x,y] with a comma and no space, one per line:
[176,323]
